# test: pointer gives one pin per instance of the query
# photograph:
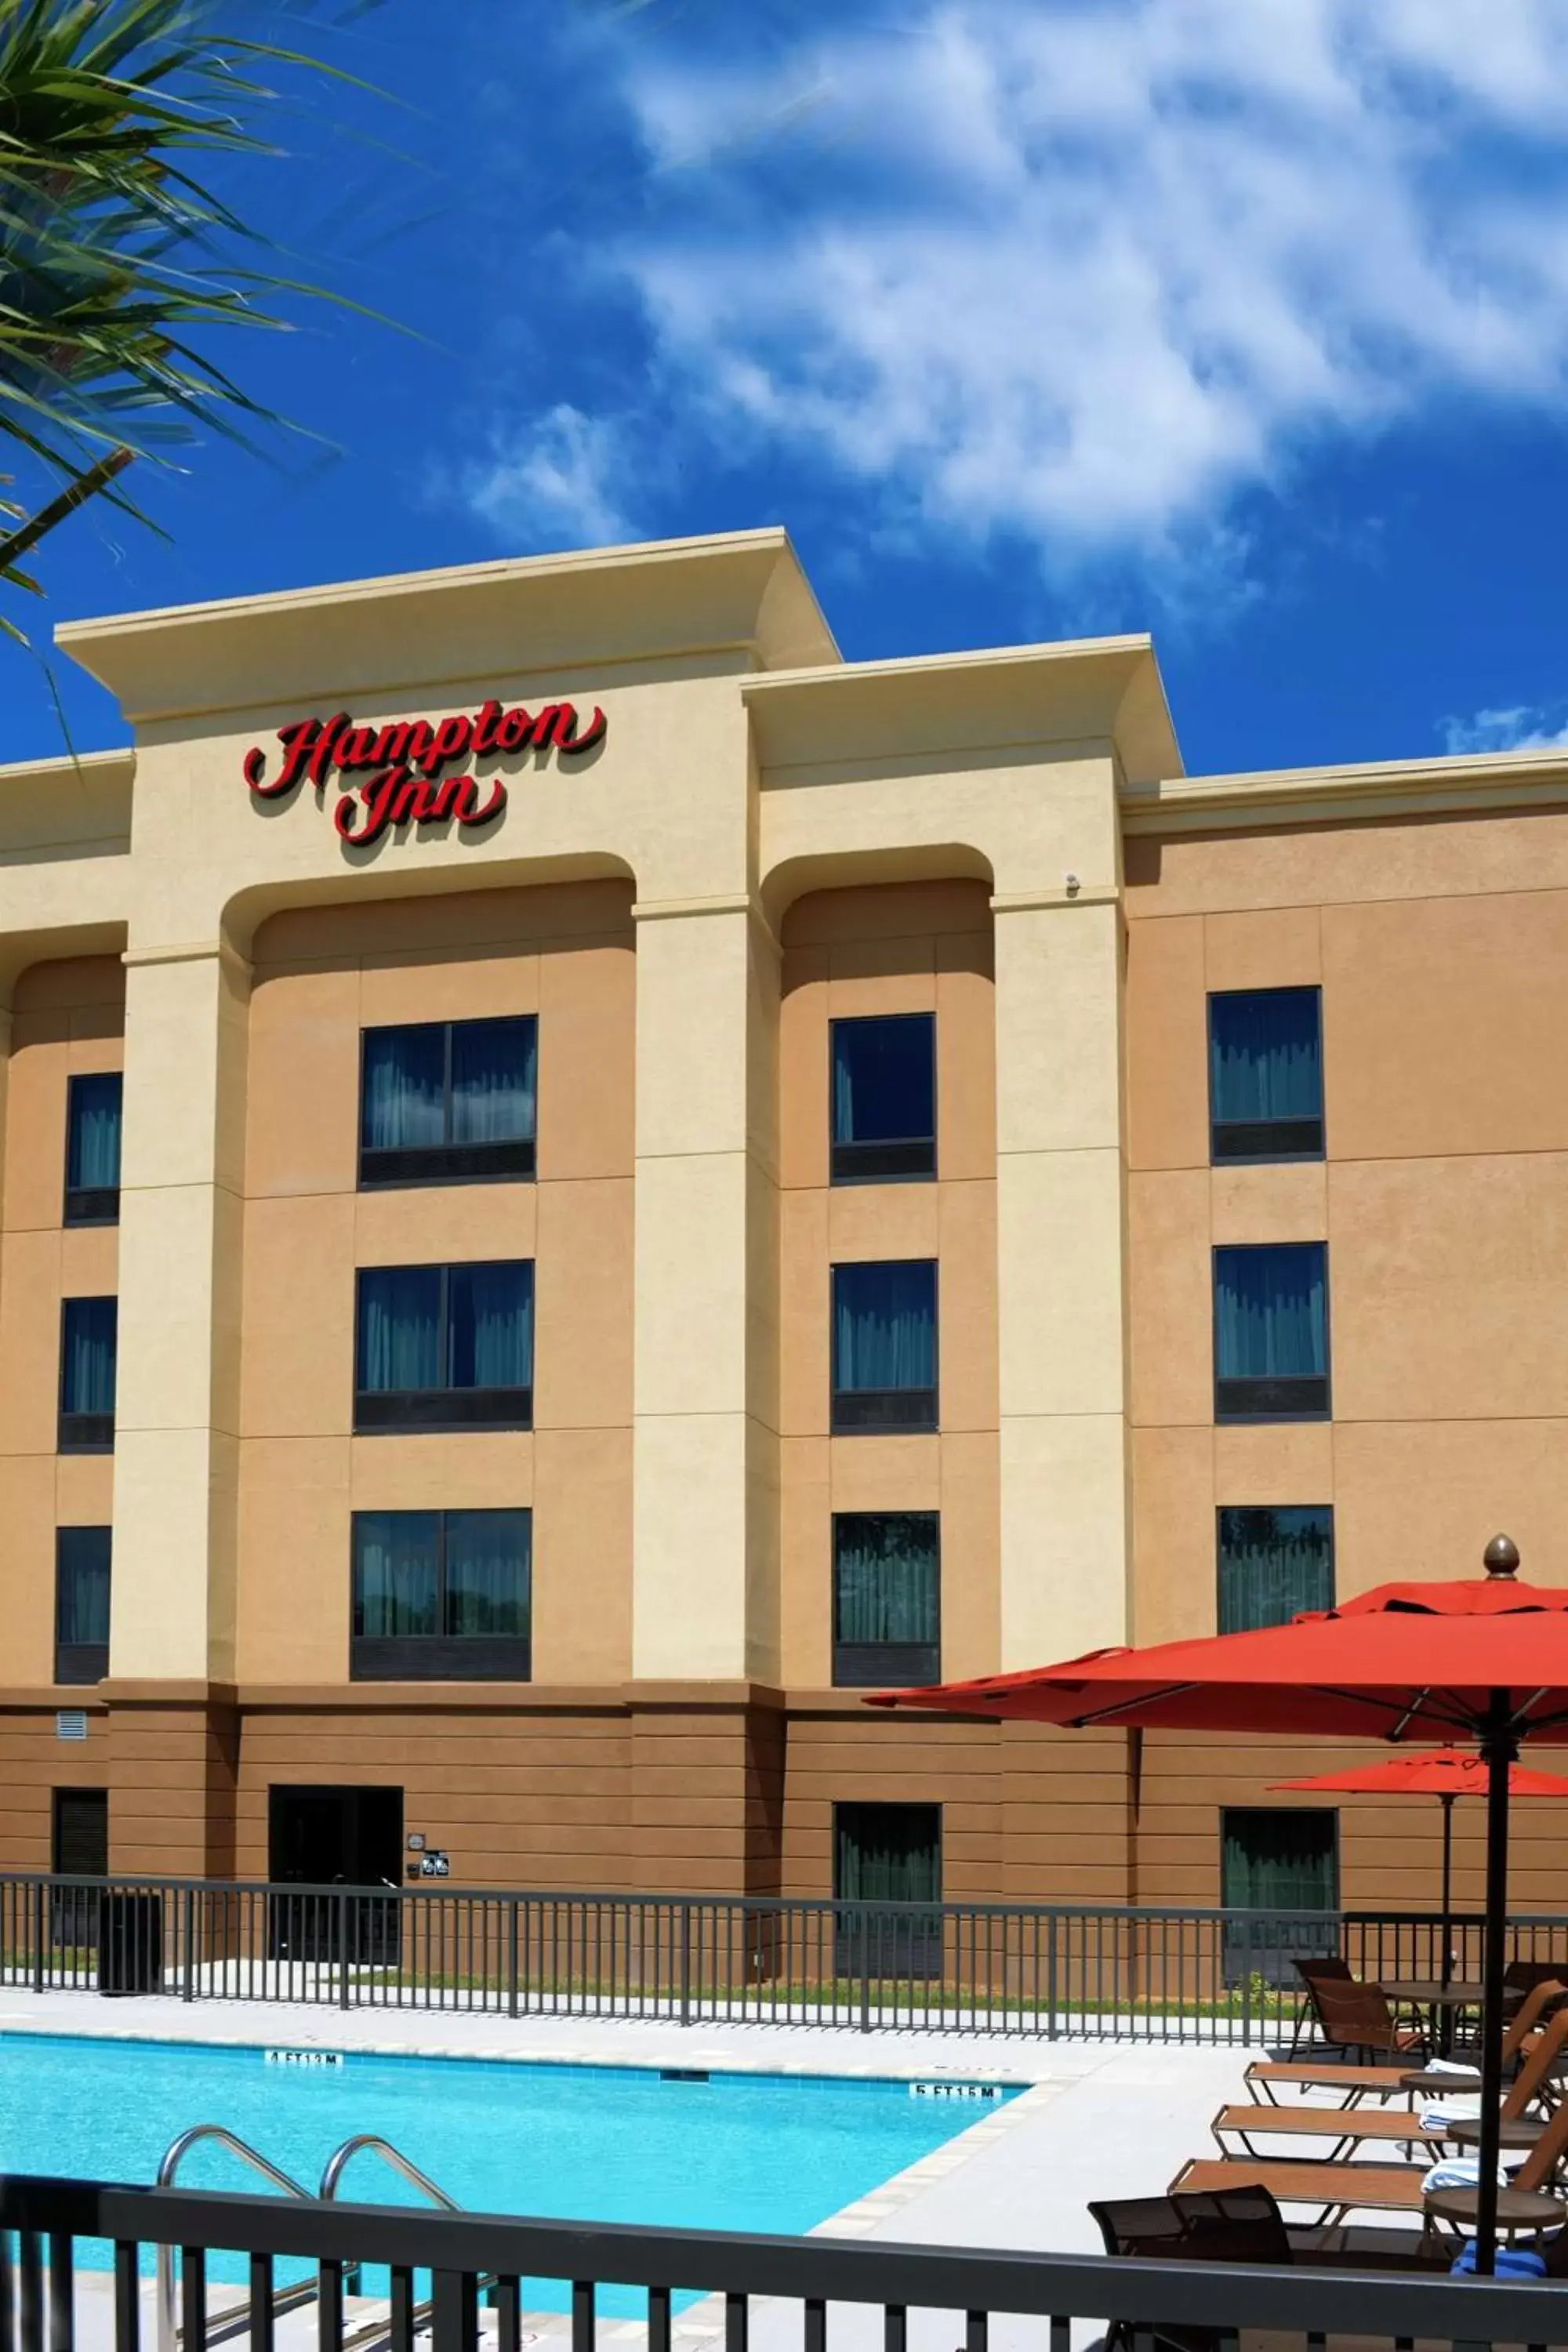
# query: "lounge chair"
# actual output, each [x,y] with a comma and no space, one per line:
[1535,2001]
[1350,2128]
[1246,2225]
[1267,2076]
[1338,2189]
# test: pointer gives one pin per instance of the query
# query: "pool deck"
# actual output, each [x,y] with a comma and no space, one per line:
[1096,2119]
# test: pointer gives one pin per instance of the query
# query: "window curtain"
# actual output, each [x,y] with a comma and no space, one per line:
[88,1347]
[488,1573]
[1271,1312]
[490,1312]
[1279,1861]
[399,1327]
[493,1064]
[405,1106]
[886,1576]
[92,1159]
[884,1326]
[1264,1057]
[396,1566]
[1273,1564]
[888,1854]
[884,1080]
[82,1586]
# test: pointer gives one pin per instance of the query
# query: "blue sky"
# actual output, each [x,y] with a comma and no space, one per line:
[1244,322]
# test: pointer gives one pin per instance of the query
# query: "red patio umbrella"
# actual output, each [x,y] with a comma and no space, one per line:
[1440,1772]
[1483,1659]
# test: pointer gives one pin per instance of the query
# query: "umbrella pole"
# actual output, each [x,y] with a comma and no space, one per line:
[1500,1747]
[1447,1967]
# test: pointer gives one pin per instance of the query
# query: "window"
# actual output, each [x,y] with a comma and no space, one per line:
[1266,1074]
[81,1604]
[884,1346]
[446,1102]
[1271,1332]
[445,1346]
[1274,1563]
[889,1856]
[92,1148]
[88,1332]
[886,1598]
[442,1593]
[1274,1862]
[884,1097]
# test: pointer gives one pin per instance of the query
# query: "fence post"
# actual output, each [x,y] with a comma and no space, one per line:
[865,1942]
[40,1905]
[686,1961]
[343,1952]
[512,1959]
[190,1932]
[1052,2028]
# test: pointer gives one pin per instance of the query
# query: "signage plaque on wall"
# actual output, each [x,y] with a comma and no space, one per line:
[393,775]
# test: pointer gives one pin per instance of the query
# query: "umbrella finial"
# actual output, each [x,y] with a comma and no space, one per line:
[1500,1557]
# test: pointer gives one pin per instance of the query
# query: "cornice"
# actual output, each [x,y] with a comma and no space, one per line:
[1377,788]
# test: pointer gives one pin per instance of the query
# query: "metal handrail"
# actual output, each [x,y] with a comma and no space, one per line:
[341,2157]
[174,2157]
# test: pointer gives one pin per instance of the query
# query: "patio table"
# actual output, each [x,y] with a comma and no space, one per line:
[1441,2001]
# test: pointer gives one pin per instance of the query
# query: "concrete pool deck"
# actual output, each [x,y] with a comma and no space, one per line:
[1098,2118]
[1095,2119]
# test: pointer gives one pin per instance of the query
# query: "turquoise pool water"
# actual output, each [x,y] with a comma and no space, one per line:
[583,2143]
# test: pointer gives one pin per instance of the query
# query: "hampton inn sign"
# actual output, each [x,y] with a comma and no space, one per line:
[401,765]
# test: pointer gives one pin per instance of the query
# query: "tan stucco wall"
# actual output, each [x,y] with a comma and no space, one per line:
[66,1018]
[1444,966]
[896,948]
[319,978]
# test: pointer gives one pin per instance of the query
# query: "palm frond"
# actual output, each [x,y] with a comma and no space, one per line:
[118,259]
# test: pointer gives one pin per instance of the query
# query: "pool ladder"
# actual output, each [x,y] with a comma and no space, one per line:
[236,2319]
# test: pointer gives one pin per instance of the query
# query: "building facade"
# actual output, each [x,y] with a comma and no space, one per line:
[585,1180]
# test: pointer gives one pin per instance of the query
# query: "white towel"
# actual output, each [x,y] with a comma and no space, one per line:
[1452,2111]
[1462,2172]
[1451,2066]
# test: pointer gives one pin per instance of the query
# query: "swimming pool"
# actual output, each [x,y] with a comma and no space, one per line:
[578,2143]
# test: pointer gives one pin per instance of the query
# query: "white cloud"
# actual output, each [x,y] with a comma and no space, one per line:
[1086,271]
[547,481]
[1524,727]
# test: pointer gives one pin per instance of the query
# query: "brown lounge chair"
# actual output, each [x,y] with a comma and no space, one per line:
[1245,2225]
[1268,2076]
[1350,2128]
[1338,2189]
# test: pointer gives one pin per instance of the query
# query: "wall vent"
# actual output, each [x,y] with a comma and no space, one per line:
[70,1723]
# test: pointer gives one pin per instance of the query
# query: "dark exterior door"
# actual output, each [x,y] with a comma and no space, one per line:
[323,1838]
[79,1849]
[887,1860]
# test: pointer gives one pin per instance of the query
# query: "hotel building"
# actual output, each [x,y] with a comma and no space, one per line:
[583,1180]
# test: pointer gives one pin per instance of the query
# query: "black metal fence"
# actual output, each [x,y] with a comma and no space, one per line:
[440,2269]
[1050,1969]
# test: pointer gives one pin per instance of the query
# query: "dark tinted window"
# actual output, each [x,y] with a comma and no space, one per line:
[449,1101]
[886,1598]
[1266,1074]
[1274,1562]
[445,1594]
[81,1604]
[1271,1332]
[445,1346]
[885,1345]
[93,1104]
[884,1097]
